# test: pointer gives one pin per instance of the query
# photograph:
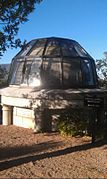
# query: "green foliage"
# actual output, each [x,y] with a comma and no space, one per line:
[12,14]
[80,122]
[3,77]
[73,122]
[101,66]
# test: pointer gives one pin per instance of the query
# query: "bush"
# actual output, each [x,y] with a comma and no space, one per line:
[73,122]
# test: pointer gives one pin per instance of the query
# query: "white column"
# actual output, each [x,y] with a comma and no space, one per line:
[6,115]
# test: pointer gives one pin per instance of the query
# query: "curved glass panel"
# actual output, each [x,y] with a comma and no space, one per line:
[17,73]
[32,73]
[26,72]
[72,76]
[87,72]
[52,48]
[51,74]
[38,48]
[26,49]
[81,52]
[68,49]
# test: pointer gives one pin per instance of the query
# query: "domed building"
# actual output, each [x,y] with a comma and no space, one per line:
[49,75]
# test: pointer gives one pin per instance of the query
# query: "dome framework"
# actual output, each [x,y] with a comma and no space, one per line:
[53,63]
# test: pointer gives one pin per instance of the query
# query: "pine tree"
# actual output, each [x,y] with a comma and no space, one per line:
[12,14]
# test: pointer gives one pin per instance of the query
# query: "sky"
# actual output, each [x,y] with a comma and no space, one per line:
[82,20]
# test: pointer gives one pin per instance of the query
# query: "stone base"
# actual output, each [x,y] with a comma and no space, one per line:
[23,117]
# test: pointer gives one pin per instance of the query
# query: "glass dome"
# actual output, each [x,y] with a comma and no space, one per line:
[53,63]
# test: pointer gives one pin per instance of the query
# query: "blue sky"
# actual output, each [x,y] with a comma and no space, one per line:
[82,20]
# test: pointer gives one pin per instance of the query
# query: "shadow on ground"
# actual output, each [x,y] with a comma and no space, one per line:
[12,152]
[32,158]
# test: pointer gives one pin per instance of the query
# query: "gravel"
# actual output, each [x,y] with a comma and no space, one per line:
[24,154]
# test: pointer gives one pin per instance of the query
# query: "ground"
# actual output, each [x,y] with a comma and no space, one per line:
[24,154]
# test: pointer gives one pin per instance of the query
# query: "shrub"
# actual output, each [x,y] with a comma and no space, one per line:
[73,122]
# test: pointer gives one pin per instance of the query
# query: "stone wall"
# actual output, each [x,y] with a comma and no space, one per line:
[23,117]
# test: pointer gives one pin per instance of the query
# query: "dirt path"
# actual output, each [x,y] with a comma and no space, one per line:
[27,155]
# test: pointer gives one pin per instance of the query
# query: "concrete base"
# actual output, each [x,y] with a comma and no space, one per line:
[35,109]
[23,117]
[7,115]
